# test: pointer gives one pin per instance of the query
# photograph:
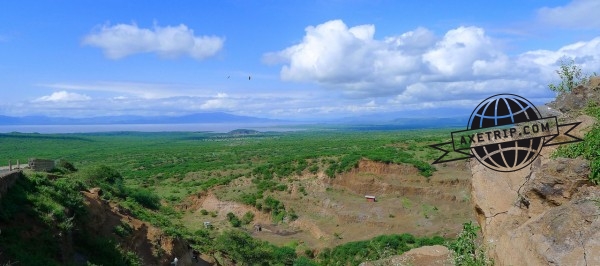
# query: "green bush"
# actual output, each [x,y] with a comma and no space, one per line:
[102,174]
[66,165]
[248,217]
[145,197]
[354,253]
[234,220]
[123,230]
[570,76]
[466,251]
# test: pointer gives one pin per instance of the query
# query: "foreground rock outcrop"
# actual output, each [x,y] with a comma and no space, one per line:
[547,213]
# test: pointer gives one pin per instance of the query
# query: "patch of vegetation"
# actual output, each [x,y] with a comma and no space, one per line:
[234,220]
[248,217]
[570,76]
[354,253]
[123,230]
[466,250]
[428,210]
[406,203]
[243,249]
[589,149]
[54,210]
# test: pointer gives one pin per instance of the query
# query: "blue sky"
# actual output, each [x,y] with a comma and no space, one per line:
[306,59]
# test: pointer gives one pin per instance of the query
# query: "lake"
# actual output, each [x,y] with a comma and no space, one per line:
[214,127]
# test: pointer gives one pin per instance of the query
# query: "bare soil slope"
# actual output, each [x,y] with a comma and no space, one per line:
[335,211]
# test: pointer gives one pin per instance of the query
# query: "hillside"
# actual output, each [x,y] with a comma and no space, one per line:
[547,213]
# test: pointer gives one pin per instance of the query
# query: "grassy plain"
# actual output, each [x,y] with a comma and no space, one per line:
[276,176]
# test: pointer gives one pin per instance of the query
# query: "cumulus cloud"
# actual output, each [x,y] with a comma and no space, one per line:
[122,40]
[63,96]
[543,63]
[576,14]
[350,57]
[462,51]
[463,63]
[324,52]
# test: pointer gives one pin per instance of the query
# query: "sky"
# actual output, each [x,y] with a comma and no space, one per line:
[296,60]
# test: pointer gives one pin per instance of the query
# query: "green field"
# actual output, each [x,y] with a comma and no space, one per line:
[151,173]
[154,158]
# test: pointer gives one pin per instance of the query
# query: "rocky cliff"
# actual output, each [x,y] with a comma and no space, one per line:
[547,213]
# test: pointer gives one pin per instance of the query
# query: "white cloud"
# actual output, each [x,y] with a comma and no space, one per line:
[465,63]
[219,102]
[540,65]
[335,55]
[63,96]
[461,52]
[122,40]
[325,53]
[579,14]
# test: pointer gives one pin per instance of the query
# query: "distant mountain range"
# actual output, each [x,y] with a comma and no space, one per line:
[393,119]
[217,117]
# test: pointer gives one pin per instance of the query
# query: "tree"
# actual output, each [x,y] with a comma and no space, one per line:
[242,248]
[570,75]
[103,174]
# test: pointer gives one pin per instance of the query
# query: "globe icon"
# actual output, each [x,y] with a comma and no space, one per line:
[501,110]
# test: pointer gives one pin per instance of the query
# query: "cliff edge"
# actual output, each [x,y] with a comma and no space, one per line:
[549,212]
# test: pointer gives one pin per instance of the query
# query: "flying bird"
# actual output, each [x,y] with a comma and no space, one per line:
[249,77]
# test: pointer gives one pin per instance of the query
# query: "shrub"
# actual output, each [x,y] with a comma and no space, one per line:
[234,220]
[466,251]
[66,165]
[102,174]
[123,230]
[570,75]
[145,197]
[248,217]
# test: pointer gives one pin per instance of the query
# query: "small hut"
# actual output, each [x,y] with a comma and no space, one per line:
[370,198]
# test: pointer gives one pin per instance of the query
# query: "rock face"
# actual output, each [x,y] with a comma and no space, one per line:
[579,96]
[545,214]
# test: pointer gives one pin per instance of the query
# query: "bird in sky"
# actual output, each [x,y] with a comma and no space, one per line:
[249,77]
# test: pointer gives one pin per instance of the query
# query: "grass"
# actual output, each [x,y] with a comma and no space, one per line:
[589,149]
[148,173]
